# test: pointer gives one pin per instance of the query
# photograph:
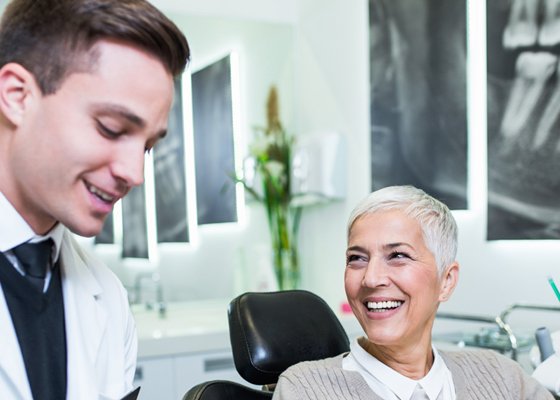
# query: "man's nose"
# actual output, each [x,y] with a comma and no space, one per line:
[128,166]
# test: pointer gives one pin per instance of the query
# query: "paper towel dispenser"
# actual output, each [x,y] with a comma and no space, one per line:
[318,168]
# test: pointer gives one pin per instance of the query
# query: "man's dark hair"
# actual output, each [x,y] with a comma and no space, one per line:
[54,38]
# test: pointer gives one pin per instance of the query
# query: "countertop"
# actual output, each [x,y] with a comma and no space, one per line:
[193,327]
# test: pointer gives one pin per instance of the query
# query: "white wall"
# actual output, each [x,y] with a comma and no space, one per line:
[332,82]
[330,92]
[265,52]
[332,78]
[222,257]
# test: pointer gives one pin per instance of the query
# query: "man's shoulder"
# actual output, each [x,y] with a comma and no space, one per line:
[86,266]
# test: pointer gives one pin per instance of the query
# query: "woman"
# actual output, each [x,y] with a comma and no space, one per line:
[400,264]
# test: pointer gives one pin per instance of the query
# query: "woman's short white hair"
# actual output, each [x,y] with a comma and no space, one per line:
[438,225]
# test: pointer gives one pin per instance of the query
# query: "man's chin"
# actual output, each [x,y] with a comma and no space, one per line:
[86,229]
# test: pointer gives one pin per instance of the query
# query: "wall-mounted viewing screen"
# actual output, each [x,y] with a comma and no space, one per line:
[169,177]
[213,143]
[419,96]
[107,235]
[135,226]
[523,119]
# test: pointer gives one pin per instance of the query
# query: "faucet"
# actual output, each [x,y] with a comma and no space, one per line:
[154,280]
[501,321]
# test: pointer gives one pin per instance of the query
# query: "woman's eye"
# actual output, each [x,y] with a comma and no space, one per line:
[354,259]
[398,255]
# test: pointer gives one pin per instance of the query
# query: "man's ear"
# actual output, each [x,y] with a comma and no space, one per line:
[17,87]
[449,281]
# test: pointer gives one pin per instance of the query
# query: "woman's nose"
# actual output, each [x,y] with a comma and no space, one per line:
[376,274]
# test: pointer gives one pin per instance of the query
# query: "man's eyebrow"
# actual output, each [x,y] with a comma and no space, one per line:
[123,112]
[163,134]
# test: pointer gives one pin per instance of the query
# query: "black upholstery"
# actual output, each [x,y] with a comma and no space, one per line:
[225,390]
[270,331]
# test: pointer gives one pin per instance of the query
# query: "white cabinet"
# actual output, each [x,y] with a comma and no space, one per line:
[193,369]
[155,376]
[169,378]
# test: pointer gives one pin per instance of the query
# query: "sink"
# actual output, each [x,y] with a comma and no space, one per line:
[176,323]
[185,326]
[194,327]
[181,318]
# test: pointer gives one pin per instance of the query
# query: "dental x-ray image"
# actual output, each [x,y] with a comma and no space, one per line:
[135,226]
[170,177]
[418,96]
[523,44]
[107,234]
[213,143]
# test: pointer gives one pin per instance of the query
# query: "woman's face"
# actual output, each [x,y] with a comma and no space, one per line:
[392,281]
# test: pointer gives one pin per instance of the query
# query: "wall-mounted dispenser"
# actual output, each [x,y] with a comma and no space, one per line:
[319,168]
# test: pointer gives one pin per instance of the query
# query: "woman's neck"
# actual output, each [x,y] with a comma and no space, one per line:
[413,361]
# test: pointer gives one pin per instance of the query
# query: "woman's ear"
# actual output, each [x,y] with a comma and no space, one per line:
[17,87]
[449,281]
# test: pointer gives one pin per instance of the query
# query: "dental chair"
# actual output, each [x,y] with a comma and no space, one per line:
[269,332]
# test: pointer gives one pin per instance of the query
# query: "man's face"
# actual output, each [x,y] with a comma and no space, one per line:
[81,149]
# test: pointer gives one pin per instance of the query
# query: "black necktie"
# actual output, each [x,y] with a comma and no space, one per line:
[34,259]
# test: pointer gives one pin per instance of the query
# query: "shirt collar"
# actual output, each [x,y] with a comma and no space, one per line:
[15,231]
[433,381]
[402,386]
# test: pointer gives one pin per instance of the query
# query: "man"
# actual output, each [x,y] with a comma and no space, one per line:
[85,90]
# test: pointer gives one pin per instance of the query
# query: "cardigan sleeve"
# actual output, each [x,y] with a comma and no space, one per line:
[488,375]
[285,390]
[529,387]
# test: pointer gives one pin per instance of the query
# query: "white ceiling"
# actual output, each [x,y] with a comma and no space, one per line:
[285,11]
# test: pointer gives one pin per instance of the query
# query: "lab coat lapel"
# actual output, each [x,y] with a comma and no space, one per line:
[11,360]
[85,320]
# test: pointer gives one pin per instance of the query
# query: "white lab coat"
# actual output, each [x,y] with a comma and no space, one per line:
[100,333]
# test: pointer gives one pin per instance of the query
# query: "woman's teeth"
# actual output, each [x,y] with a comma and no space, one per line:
[381,306]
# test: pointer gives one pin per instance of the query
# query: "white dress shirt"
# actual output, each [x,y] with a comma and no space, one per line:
[15,231]
[390,385]
[100,332]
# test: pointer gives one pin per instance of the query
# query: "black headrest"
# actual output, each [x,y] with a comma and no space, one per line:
[270,331]
[222,390]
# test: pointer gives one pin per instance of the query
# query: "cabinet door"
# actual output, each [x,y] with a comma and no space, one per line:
[192,369]
[156,377]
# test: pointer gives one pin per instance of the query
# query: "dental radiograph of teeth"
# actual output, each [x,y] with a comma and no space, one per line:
[418,96]
[135,242]
[523,119]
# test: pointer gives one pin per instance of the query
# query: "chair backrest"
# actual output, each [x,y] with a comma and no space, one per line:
[270,331]
[225,390]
